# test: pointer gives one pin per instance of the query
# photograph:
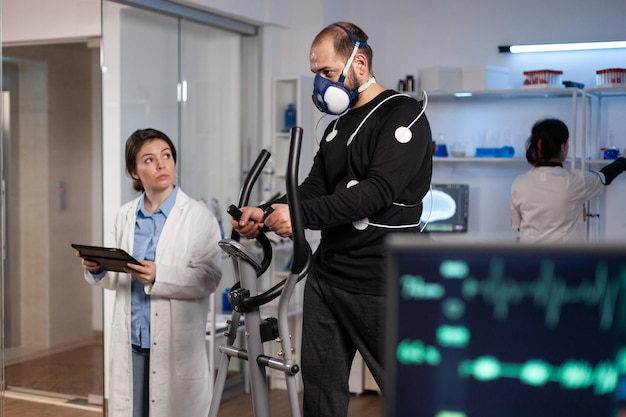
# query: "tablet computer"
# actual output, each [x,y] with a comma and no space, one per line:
[109,259]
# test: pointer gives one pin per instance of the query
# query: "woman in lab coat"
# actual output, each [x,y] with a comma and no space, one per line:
[159,365]
[547,202]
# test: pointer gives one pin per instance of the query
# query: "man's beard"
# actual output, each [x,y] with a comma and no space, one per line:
[351,83]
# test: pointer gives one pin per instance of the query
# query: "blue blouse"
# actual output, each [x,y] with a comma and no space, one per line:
[147,232]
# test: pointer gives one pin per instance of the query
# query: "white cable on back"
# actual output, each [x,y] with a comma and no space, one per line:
[317,126]
[423,109]
[404,128]
[401,133]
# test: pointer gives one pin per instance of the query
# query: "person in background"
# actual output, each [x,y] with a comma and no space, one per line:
[368,178]
[547,202]
[159,364]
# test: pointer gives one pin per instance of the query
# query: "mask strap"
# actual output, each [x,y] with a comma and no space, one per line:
[354,40]
[357,44]
[349,63]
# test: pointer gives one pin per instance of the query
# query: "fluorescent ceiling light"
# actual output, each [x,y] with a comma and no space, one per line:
[557,47]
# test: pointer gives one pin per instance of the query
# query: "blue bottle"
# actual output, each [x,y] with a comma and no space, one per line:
[290,117]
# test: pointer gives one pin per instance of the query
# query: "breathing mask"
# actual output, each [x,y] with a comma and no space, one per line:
[334,98]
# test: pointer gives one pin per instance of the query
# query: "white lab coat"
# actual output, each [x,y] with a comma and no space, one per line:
[547,203]
[188,265]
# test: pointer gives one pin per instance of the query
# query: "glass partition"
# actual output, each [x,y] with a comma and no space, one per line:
[51,136]
[184,78]
[67,109]
[211,120]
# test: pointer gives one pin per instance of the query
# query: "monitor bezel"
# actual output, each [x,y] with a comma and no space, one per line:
[454,227]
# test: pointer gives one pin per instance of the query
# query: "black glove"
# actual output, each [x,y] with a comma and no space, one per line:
[613,169]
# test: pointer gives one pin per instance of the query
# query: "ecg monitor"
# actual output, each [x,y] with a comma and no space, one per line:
[444,208]
[498,330]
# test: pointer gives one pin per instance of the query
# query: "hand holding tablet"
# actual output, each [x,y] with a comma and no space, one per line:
[109,259]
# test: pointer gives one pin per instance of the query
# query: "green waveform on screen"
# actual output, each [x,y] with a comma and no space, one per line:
[449,413]
[415,352]
[549,291]
[572,374]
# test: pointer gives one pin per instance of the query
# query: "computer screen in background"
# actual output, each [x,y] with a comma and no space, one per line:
[444,208]
[505,330]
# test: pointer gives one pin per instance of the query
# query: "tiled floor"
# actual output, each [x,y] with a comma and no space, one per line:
[73,376]
[368,404]
[78,372]
[19,404]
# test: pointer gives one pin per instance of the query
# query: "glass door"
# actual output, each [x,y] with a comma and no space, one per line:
[211,148]
[50,134]
[68,109]
[184,78]
[51,130]
[4,133]
[211,113]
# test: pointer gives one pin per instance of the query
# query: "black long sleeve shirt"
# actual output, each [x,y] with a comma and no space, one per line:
[369,175]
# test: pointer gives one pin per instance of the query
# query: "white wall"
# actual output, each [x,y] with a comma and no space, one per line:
[407,35]
[37,21]
[258,12]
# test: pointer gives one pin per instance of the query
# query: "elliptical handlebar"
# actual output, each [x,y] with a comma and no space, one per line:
[301,260]
[244,197]
[301,249]
[266,245]
[248,183]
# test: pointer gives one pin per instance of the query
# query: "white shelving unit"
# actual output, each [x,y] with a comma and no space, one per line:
[602,125]
[493,118]
[595,123]
[499,109]
[297,90]
[476,160]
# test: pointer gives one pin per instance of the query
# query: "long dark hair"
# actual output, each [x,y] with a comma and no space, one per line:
[545,141]
[134,144]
